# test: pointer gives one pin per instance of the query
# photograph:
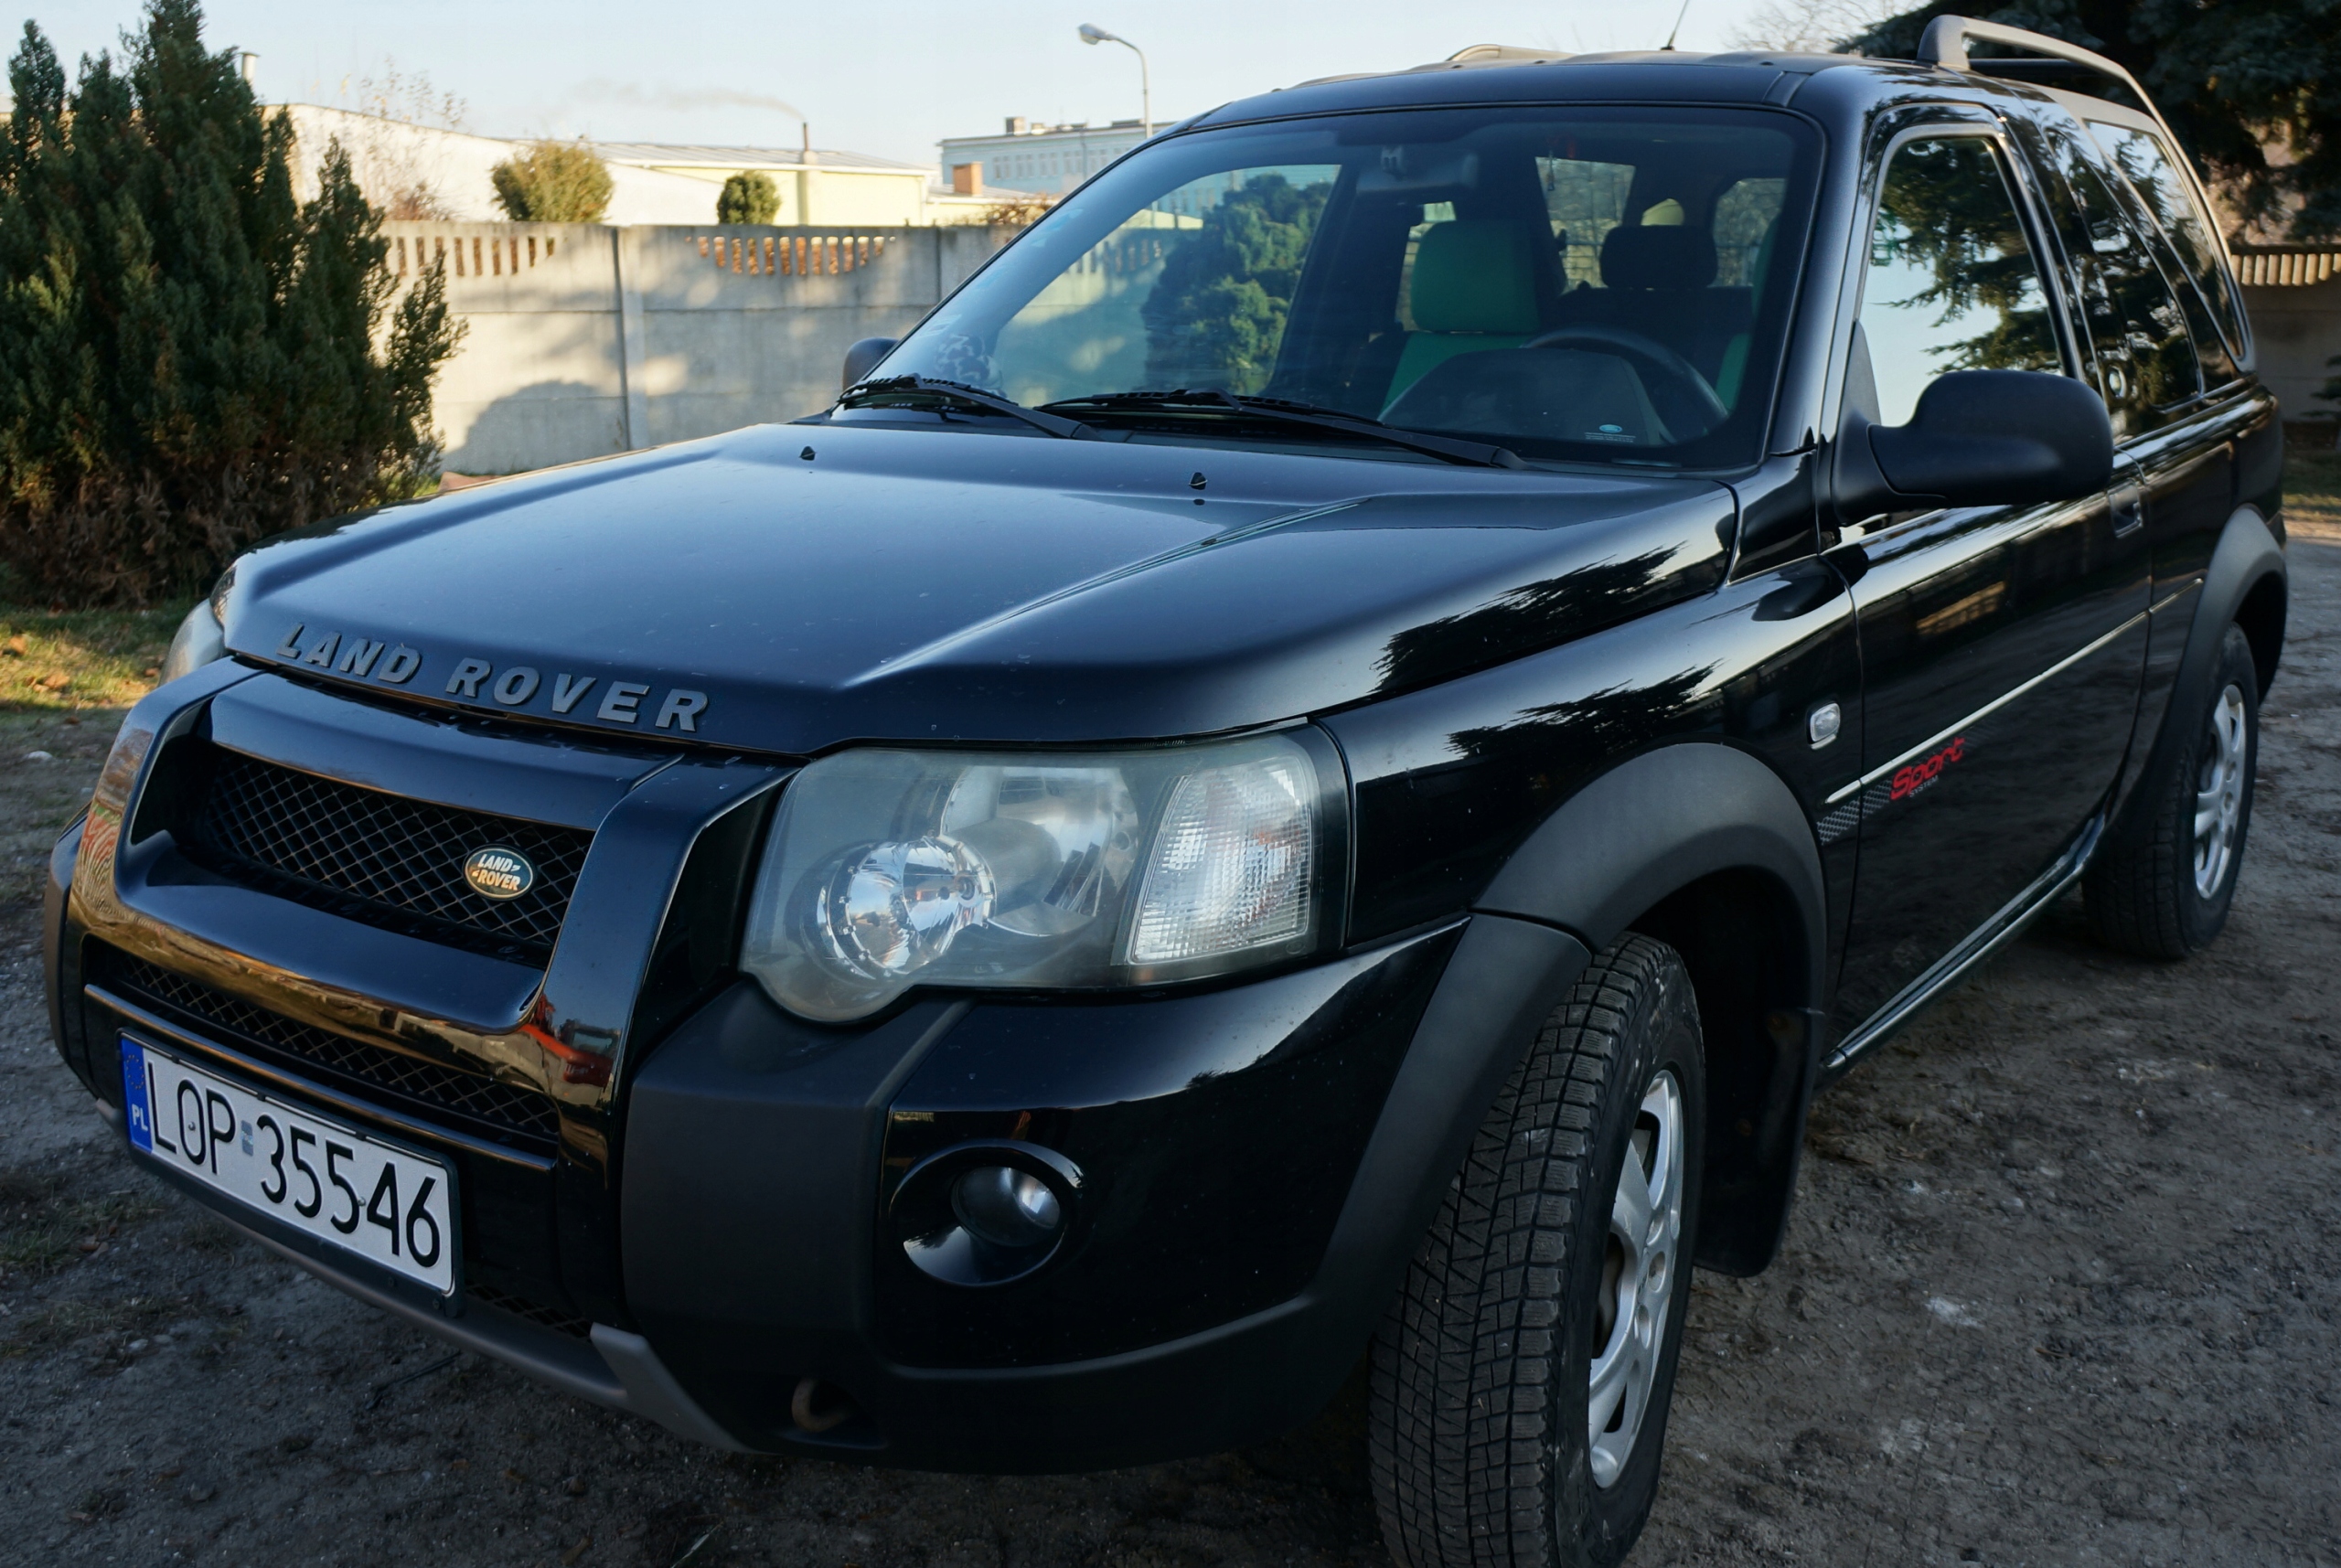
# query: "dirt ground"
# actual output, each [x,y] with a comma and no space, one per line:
[2061,1290]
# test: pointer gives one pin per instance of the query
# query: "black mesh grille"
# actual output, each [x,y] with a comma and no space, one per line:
[382,857]
[373,1071]
[520,1306]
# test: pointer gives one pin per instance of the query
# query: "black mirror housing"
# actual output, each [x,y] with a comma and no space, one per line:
[1980,438]
[864,357]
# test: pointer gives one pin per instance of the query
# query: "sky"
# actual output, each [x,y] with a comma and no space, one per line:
[883,77]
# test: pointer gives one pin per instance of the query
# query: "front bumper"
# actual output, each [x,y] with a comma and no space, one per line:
[705,1236]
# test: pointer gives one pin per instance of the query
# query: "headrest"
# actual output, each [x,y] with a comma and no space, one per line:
[1475,275]
[1645,257]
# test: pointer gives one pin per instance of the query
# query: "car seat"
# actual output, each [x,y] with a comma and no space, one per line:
[1474,288]
[1657,281]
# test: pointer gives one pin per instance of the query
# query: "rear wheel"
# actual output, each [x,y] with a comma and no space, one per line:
[1522,1380]
[2162,887]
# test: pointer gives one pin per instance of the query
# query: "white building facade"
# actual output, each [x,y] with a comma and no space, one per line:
[413,171]
[1030,158]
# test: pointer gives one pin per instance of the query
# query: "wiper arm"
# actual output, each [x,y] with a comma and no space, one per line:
[1291,412]
[973,397]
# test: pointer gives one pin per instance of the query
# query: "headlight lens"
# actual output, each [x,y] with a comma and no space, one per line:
[886,870]
[202,637]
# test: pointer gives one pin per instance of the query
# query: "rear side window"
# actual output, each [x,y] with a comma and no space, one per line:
[1952,283]
[2147,164]
[2146,362]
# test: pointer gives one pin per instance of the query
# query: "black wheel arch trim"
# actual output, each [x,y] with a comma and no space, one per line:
[1609,857]
[2249,554]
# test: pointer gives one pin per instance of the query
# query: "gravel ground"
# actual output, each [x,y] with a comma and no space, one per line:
[2061,1289]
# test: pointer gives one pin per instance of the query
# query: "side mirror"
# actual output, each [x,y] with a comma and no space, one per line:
[1979,438]
[863,358]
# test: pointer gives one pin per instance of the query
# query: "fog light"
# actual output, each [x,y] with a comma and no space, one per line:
[986,1211]
[1007,1208]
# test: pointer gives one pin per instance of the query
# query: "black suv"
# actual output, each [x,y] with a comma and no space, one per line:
[1318,765]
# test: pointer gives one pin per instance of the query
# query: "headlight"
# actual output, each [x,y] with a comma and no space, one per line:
[202,637]
[888,870]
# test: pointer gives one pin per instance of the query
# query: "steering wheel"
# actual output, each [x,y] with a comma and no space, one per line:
[1675,373]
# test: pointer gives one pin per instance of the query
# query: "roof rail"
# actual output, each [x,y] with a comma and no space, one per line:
[1946,39]
[1944,44]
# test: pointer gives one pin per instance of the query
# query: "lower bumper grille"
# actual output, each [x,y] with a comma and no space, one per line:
[429,1089]
[529,1311]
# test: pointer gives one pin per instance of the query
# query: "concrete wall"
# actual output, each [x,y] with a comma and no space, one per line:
[2296,330]
[584,340]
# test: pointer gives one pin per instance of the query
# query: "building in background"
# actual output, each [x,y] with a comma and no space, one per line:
[425,172]
[1033,159]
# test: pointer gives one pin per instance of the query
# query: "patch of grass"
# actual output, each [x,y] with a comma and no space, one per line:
[44,1226]
[2313,480]
[65,660]
[109,1319]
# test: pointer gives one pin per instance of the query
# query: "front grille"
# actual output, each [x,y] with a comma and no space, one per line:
[382,858]
[375,1072]
[529,1311]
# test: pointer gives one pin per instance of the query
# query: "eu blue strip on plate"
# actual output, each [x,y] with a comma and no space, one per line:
[134,1095]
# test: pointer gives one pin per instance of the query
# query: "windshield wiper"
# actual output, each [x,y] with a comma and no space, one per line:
[1290,412]
[973,397]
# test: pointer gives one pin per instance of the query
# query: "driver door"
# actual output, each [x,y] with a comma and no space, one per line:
[2002,648]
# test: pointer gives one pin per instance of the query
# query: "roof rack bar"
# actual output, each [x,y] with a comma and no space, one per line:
[1944,44]
[1946,39]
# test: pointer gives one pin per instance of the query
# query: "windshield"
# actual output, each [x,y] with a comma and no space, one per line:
[1565,282]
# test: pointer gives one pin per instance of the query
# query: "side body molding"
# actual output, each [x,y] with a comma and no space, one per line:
[1613,856]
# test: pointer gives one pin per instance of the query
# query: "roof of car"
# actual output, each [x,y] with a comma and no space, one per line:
[1492,74]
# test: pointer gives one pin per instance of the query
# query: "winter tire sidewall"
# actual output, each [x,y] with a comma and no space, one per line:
[1602,1522]
[1478,1442]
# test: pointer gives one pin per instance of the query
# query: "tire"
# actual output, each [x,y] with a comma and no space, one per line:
[2161,885]
[1481,1443]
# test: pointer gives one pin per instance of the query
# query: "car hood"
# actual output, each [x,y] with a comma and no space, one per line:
[790,588]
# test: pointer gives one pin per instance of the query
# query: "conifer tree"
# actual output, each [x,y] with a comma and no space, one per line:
[190,360]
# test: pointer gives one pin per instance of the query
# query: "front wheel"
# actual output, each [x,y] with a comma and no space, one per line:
[1522,1379]
[2161,886]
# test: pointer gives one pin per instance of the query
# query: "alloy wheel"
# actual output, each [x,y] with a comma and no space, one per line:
[1637,1279]
[2219,793]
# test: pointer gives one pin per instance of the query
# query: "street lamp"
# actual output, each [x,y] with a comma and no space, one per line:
[1093,34]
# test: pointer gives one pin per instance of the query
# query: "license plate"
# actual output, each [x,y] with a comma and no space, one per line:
[387,1205]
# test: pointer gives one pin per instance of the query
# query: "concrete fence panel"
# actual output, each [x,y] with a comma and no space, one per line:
[584,340]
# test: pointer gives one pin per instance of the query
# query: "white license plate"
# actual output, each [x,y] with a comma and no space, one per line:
[387,1205]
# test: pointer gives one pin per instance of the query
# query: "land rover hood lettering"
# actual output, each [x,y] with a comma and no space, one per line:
[475,680]
[918,588]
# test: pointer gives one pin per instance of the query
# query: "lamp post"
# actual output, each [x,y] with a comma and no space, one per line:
[1093,34]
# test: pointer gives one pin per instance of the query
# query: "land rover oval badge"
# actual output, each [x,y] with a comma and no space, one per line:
[497,873]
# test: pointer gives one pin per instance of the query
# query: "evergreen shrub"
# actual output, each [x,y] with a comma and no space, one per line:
[552,182]
[190,360]
[748,198]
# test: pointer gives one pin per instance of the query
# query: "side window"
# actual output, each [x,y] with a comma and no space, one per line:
[1952,282]
[2147,164]
[2146,362]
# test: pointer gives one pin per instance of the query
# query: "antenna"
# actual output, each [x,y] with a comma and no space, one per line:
[1669,45]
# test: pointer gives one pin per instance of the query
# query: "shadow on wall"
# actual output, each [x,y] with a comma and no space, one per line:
[541,425]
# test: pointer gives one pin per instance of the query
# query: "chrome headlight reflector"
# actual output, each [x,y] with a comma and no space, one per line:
[884,869]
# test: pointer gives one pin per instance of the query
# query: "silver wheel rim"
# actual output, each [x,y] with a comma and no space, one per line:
[1637,1280]
[2218,794]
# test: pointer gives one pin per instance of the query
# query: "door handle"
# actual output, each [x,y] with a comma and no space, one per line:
[2129,510]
